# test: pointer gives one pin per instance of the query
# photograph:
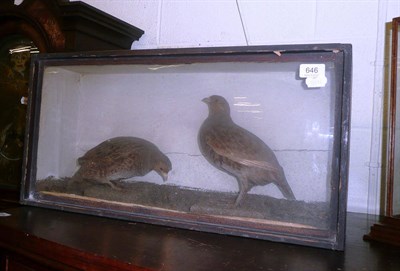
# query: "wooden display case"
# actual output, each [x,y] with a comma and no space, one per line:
[281,175]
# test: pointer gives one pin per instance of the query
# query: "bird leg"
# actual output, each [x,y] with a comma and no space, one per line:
[114,184]
[243,189]
[239,198]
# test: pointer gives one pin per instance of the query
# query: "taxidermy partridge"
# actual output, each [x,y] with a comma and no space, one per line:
[238,152]
[121,158]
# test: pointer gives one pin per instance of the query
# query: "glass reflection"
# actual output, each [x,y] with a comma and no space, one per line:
[15,54]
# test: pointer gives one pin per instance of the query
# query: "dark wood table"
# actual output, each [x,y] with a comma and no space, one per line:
[42,239]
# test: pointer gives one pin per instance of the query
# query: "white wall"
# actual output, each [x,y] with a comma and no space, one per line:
[194,23]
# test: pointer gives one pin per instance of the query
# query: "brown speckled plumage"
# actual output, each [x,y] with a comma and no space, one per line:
[238,152]
[121,158]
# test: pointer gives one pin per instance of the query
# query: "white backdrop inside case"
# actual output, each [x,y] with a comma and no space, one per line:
[85,105]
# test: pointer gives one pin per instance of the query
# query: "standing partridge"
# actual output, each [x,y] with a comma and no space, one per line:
[238,152]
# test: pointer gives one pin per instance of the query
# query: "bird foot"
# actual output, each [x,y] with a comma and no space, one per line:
[116,185]
[239,200]
[237,204]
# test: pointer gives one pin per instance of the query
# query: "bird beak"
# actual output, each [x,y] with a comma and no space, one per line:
[206,100]
[164,176]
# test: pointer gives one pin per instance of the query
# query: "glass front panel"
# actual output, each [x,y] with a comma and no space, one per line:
[84,106]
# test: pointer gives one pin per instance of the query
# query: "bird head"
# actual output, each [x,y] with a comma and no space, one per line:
[162,167]
[217,105]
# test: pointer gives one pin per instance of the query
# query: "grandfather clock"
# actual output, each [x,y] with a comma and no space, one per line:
[43,26]
[387,230]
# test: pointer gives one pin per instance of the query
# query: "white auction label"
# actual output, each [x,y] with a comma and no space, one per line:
[314,74]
